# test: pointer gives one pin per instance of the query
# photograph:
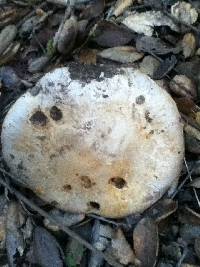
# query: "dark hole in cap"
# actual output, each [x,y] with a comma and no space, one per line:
[140,100]
[56,113]
[86,182]
[117,182]
[39,118]
[94,205]
[67,187]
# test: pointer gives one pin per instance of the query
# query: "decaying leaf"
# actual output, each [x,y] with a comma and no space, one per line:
[188,216]
[9,53]
[195,183]
[197,247]
[38,64]
[7,35]
[14,237]
[172,251]
[149,65]
[100,239]
[65,218]
[74,253]
[183,86]
[184,12]
[9,78]
[189,232]
[120,249]
[144,22]
[93,9]
[154,45]
[165,67]
[122,54]
[188,45]
[108,34]
[45,250]
[189,68]
[3,212]
[65,37]
[121,6]
[162,209]
[185,105]
[145,242]
[192,139]
[101,235]
[192,131]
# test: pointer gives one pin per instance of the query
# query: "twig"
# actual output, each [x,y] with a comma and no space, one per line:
[190,177]
[66,229]
[105,220]
[182,184]
[185,251]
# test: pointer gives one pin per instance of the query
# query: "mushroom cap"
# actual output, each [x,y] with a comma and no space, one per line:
[95,139]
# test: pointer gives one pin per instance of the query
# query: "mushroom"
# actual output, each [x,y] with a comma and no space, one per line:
[95,139]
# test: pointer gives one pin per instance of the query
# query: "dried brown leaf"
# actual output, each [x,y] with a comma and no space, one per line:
[154,45]
[188,216]
[162,209]
[122,54]
[109,34]
[183,86]
[120,249]
[121,6]
[145,240]
[185,105]
[94,9]
[189,45]
[88,56]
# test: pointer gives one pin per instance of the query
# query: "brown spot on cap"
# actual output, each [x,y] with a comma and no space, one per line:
[39,118]
[118,182]
[56,113]
[67,187]
[94,205]
[86,182]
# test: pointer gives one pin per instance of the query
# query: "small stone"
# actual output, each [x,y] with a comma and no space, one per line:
[148,65]
[188,45]
[183,86]
[184,12]
[38,64]
[7,35]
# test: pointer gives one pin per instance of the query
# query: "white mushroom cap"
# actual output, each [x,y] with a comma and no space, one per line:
[95,139]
